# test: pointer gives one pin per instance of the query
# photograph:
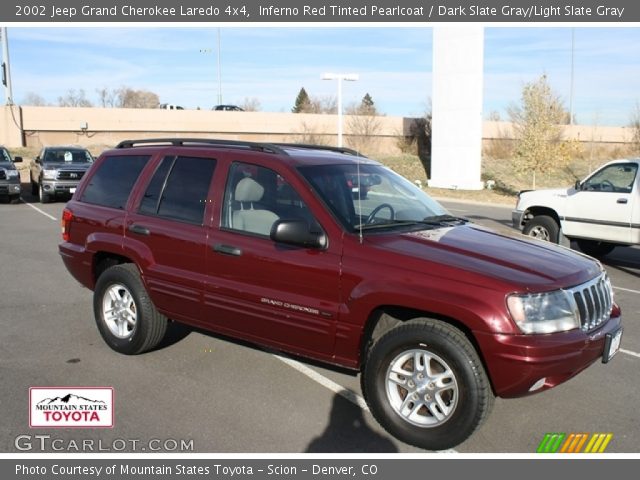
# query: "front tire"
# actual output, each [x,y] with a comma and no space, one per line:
[543,227]
[426,385]
[44,197]
[126,317]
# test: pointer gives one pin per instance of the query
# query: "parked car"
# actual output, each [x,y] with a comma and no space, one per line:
[9,176]
[228,108]
[266,243]
[170,106]
[600,212]
[57,170]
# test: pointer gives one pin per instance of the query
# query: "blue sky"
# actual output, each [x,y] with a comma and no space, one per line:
[271,64]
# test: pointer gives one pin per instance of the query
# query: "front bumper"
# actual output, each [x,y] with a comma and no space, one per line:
[516,218]
[58,187]
[517,363]
[10,187]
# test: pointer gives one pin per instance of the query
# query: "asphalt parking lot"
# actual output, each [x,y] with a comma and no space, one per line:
[221,396]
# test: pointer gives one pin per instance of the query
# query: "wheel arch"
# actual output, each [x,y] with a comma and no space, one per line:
[537,210]
[385,317]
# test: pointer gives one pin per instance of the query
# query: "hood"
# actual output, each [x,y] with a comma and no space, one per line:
[516,261]
[548,194]
[7,165]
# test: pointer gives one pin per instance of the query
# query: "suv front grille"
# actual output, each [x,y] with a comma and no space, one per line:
[594,302]
[70,174]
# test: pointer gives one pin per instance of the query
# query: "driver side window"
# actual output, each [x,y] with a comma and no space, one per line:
[618,178]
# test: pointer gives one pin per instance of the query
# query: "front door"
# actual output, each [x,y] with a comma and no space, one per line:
[271,293]
[603,206]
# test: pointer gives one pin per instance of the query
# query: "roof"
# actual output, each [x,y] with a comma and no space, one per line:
[294,153]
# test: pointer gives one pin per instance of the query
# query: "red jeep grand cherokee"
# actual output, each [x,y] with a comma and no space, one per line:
[269,244]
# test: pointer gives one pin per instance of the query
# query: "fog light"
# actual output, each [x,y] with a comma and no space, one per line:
[15,188]
[538,385]
[47,187]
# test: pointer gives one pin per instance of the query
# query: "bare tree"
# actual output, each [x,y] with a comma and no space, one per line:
[107,97]
[34,99]
[635,129]
[363,125]
[251,105]
[130,98]
[537,130]
[74,99]
[324,104]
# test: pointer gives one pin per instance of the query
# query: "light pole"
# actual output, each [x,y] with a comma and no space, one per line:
[6,68]
[219,71]
[349,77]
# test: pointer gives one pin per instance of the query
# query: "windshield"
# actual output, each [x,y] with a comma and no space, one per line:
[371,196]
[4,155]
[68,156]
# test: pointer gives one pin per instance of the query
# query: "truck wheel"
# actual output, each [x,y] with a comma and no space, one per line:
[426,385]
[542,227]
[595,248]
[44,197]
[127,319]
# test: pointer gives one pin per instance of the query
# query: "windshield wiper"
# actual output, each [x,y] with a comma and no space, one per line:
[443,220]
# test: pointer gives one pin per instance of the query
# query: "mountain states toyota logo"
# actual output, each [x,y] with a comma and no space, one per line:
[71,407]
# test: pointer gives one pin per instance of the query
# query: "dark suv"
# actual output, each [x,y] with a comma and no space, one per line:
[266,243]
[9,176]
[57,171]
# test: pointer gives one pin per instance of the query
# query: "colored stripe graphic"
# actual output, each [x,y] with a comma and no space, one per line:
[551,442]
[574,443]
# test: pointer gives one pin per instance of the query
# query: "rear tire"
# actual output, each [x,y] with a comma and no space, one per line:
[425,384]
[126,317]
[595,248]
[543,227]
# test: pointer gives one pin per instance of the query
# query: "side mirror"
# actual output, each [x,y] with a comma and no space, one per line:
[17,159]
[37,160]
[577,185]
[376,180]
[298,233]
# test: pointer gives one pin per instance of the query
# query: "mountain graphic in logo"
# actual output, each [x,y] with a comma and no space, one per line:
[68,399]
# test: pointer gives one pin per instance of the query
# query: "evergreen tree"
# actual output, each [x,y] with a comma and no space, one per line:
[303,102]
[367,106]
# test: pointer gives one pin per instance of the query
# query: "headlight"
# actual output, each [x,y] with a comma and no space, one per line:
[49,174]
[544,312]
[11,173]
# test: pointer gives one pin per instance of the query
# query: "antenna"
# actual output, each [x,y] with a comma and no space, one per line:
[359,199]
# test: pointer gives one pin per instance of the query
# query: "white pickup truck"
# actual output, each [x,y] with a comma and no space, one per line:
[600,212]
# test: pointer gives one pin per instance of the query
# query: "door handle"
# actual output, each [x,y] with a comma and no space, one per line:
[139,229]
[227,249]
[622,200]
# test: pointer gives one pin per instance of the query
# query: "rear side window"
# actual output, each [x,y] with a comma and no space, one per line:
[179,188]
[111,183]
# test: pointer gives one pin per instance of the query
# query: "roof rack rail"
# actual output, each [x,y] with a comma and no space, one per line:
[309,146]
[265,147]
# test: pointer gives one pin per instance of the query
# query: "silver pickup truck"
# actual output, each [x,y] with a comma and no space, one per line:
[58,170]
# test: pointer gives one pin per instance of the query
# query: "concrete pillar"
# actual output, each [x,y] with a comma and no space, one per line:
[457,107]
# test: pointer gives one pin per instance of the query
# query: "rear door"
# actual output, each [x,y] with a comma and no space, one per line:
[168,224]
[258,289]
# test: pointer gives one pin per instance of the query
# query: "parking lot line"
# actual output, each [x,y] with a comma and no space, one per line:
[629,352]
[626,289]
[326,382]
[38,210]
